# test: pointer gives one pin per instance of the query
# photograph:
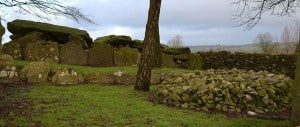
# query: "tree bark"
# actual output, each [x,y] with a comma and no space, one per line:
[2,31]
[149,47]
[295,120]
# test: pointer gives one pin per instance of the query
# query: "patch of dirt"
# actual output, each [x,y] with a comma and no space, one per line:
[13,103]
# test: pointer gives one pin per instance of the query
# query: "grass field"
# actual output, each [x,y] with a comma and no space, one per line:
[99,105]
[102,105]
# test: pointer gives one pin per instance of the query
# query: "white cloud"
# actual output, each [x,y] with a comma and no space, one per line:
[199,22]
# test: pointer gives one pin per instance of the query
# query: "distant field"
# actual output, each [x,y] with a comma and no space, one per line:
[249,48]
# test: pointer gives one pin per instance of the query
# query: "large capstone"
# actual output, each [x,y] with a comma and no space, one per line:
[50,32]
[180,50]
[117,40]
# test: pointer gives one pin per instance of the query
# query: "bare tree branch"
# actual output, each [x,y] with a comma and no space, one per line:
[249,12]
[43,8]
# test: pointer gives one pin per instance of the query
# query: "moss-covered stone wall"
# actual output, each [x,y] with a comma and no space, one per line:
[278,64]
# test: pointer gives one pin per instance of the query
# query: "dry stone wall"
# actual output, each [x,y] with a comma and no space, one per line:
[278,64]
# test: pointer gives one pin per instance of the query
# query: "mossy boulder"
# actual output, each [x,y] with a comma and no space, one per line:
[66,76]
[126,56]
[12,49]
[71,53]
[35,72]
[42,52]
[101,55]
[50,32]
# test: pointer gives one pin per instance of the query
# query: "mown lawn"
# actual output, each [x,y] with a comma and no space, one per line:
[99,105]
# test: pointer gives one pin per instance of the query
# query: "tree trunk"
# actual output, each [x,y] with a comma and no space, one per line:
[149,47]
[295,120]
[2,31]
[157,62]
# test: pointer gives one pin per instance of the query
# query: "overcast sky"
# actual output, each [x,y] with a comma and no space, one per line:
[199,22]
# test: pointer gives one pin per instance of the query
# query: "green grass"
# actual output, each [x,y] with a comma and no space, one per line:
[87,69]
[116,106]
[98,105]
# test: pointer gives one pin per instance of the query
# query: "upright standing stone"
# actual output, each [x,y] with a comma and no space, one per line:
[42,52]
[126,56]
[101,55]
[12,49]
[32,37]
[72,53]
